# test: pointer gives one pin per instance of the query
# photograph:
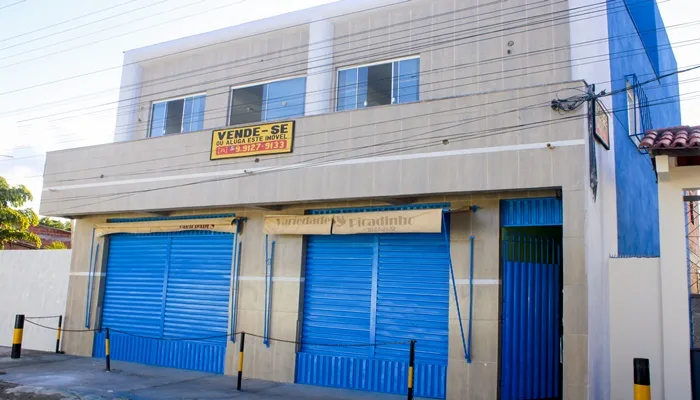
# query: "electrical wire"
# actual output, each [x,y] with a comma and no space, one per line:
[67,21]
[450,67]
[307,162]
[12,4]
[208,164]
[53,34]
[121,34]
[412,42]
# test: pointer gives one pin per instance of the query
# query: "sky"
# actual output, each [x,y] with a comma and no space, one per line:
[44,44]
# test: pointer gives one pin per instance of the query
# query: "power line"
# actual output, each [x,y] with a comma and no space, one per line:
[449,42]
[306,163]
[183,51]
[431,36]
[121,34]
[642,50]
[71,29]
[12,4]
[207,164]
[67,21]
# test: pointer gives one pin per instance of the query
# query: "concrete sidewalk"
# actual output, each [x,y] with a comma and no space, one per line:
[48,376]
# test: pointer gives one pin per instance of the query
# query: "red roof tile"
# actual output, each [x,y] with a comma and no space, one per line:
[679,137]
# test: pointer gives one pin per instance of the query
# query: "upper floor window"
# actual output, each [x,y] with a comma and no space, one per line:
[185,114]
[378,84]
[267,101]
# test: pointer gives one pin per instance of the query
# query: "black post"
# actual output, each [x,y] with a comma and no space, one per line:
[642,380]
[107,349]
[17,336]
[58,334]
[240,362]
[411,365]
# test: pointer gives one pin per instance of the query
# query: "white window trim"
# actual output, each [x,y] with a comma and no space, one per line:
[357,76]
[247,85]
[182,121]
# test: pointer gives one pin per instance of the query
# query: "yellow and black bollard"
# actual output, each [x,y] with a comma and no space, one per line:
[642,381]
[411,366]
[240,362]
[17,336]
[107,349]
[58,334]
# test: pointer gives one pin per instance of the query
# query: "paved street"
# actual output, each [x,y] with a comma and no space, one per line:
[47,376]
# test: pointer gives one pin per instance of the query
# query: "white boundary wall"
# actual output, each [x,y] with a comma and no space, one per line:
[34,283]
[635,324]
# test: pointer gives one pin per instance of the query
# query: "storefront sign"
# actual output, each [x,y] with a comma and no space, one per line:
[408,221]
[252,140]
[428,221]
[602,125]
[298,224]
[227,225]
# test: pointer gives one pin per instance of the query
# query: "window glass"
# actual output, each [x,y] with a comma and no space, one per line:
[173,119]
[193,119]
[246,105]
[284,99]
[177,116]
[347,89]
[379,85]
[407,80]
[269,101]
[158,119]
[375,85]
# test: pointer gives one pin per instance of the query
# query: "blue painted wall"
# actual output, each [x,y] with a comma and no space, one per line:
[639,46]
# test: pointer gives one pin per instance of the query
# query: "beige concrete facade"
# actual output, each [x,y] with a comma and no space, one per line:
[483,131]
[477,380]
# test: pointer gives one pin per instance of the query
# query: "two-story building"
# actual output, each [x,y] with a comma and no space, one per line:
[361,174]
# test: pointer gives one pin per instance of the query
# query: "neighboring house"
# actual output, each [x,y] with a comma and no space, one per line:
[47,234]
[331,176]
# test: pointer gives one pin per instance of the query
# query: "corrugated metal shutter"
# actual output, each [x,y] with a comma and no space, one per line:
[190,298]
[365,289]
[133,298]
[413,301]
[337,307]
[543,211]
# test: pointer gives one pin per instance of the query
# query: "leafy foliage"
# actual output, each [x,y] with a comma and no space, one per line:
[55,223]
[55,246]
[14,221]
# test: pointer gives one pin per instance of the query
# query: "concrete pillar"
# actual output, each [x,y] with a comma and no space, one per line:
[319,79]
[674,292]
[129,110]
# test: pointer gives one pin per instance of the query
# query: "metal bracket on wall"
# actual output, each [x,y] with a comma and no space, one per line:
[467,347]
[92,267]
[269,263]
[237,247]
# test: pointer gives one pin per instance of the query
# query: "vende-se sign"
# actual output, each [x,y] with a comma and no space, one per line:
[252,140]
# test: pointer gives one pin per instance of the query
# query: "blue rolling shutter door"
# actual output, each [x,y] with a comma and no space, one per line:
[197,300]
[413,302]
[363,289]
[133,297]
[183,283]
[337,304]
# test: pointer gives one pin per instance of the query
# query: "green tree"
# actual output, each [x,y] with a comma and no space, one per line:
[14,220]
[55,223]
[55,246]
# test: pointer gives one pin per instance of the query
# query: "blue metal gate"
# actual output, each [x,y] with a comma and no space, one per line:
[531,311]
[367,289]
[168,286]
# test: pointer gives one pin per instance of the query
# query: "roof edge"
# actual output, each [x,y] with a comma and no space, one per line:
[327,11]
